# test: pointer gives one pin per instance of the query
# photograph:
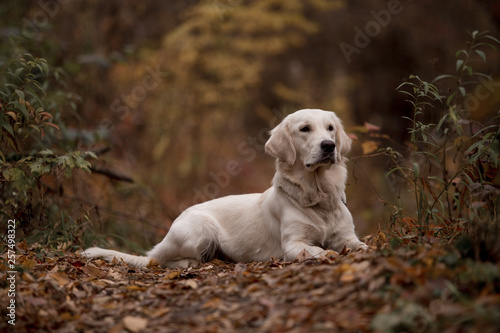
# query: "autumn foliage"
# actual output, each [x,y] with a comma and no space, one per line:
[115,116]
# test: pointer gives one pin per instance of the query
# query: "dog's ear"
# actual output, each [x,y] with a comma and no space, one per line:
[280,144]
[343,143]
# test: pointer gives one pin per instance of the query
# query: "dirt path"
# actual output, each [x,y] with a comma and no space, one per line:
[412,288]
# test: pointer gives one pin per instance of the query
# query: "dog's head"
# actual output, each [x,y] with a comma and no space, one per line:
[312,137]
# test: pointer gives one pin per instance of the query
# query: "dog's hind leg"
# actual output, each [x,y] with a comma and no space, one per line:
[173,251]
[187,242]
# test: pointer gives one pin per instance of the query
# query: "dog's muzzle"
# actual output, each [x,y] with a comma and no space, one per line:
[327,149]
[327,146]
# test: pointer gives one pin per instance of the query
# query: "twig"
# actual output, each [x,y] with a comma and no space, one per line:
[111,174]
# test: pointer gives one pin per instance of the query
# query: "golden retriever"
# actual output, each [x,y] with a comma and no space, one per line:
[304,209]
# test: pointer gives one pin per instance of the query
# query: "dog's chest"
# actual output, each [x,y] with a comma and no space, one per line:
[327,224]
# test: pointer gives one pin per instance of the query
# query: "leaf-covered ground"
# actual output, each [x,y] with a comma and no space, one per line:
[412,288]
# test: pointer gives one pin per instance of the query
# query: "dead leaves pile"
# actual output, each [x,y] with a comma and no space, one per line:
[424,288]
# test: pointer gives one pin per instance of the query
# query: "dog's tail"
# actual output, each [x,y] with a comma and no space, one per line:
[108,255]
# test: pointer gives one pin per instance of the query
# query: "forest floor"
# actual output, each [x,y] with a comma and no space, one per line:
[397,286]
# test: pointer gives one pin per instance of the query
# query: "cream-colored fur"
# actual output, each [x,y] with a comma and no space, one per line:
[304,209]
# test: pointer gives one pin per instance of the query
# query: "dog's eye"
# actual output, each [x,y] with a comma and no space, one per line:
[305,129]
[330,128]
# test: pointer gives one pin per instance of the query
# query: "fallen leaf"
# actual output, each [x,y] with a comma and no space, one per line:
[135,324]
[361,266]
[22,245]
[115,274]
[303,255]
[27,263]
[152,263]
[173,275]
[77,264]
[28,277]
[108,282]
[212,303]
[134,288]
[60,277]
[66,316]
[191,283]
[347,277]
[159,313]
[37,301]
[93,271]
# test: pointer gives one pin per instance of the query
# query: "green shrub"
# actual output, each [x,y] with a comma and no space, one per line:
[31,101]
[452,164]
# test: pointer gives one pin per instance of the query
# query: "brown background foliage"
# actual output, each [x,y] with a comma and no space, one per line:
[184,92]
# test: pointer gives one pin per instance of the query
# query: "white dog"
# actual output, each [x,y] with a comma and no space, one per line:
[304,209]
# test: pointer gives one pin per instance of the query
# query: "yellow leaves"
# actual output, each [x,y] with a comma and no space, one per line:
[224,47]
[173,275]
[369,147]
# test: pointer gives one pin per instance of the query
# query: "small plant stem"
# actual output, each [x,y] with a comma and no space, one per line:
[447,185]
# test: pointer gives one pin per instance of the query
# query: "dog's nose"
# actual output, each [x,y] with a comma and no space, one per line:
[327,146]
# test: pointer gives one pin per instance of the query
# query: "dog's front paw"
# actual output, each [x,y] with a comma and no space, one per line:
[361,247]
[357,246]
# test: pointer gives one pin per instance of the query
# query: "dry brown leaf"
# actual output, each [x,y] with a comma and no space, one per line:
[115,274]
[93,271]
[212,303]
[27,262]
[351,289]
[108,281]
[28,277]
[191,283]
[135,324]
[66,316]
[153,263]
[173,275]
[303,255]
[22,245]
[98,283]
[158,313]
[118,328]
[135,288]
[60,277]
[347,277]
[361,266]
